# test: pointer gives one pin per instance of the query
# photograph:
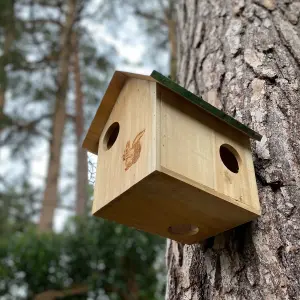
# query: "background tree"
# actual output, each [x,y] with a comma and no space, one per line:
[90,257]
[158,20]
[82,160]
[7,25]
[243,57]
[65,52]
[49,98]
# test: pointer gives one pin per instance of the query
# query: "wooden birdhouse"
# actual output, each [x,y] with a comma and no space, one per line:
[170,163]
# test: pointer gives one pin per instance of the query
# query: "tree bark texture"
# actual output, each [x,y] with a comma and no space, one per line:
[243,56]
[82,167]
[51,190]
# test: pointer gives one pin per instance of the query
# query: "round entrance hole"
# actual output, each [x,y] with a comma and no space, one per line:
[111,135]
[229,157]
[183,229]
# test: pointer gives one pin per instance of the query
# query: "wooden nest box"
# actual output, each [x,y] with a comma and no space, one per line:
[170,163]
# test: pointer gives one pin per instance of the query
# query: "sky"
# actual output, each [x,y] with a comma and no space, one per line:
[133,53]
[132,47]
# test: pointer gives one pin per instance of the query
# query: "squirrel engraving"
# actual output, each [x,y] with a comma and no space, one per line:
[132,152]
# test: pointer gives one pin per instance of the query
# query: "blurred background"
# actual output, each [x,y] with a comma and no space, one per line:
[56,59]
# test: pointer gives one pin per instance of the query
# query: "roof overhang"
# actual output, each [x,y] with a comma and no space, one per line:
[105,108]
[114,88]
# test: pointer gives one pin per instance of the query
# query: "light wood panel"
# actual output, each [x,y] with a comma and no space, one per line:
[135,111]
[105,108]
[160,201]
[115,86]
[190,143]
[205,106]
[164,168]
[137,76]
[187,142]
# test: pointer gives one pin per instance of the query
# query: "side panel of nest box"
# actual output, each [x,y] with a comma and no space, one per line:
[127,147]
[202,149]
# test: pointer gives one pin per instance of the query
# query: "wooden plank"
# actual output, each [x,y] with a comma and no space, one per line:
[190,150]
[138,76]
[109,99]
[160,201]
[103,112]
[168,83]
[133,155]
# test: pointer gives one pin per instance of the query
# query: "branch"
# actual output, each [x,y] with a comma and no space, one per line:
[166,10]
[30,127]
[33,27]
[41,22]
[52,57]
[66,207]
[54,294]
[71,117]
[47,3]
[149,16]
[34,65]
[162,6]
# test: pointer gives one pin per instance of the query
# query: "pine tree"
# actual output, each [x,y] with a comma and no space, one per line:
[7,24]
[159,22]
[58,122]
[243,57]
[82,160]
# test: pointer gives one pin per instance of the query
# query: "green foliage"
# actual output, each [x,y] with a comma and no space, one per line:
[6,13]
[111,259]
[18,205]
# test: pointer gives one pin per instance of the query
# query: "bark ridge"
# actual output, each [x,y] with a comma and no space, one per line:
[244,58]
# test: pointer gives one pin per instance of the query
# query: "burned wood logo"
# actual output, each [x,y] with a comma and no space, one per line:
[132,152]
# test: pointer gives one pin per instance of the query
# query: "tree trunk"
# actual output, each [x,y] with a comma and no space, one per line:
[51,191]
[82,167]
[172,37]
[9,35]
[173,51]
[244,57]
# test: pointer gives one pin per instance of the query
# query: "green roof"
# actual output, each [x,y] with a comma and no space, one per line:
[168,83]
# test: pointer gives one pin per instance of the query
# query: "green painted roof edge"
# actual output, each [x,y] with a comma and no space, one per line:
[168,83]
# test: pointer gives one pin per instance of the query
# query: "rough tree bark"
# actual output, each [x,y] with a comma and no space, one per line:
[82,167]
[243,56]
[51,190]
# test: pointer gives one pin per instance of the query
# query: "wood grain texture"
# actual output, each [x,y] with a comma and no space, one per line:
[102,115]
[135,111]
[105,108]
[114,88]
[187,95]
[165,170]
[190,144]
[160,201]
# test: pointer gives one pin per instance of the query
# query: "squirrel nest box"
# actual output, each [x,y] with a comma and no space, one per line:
[170,163]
